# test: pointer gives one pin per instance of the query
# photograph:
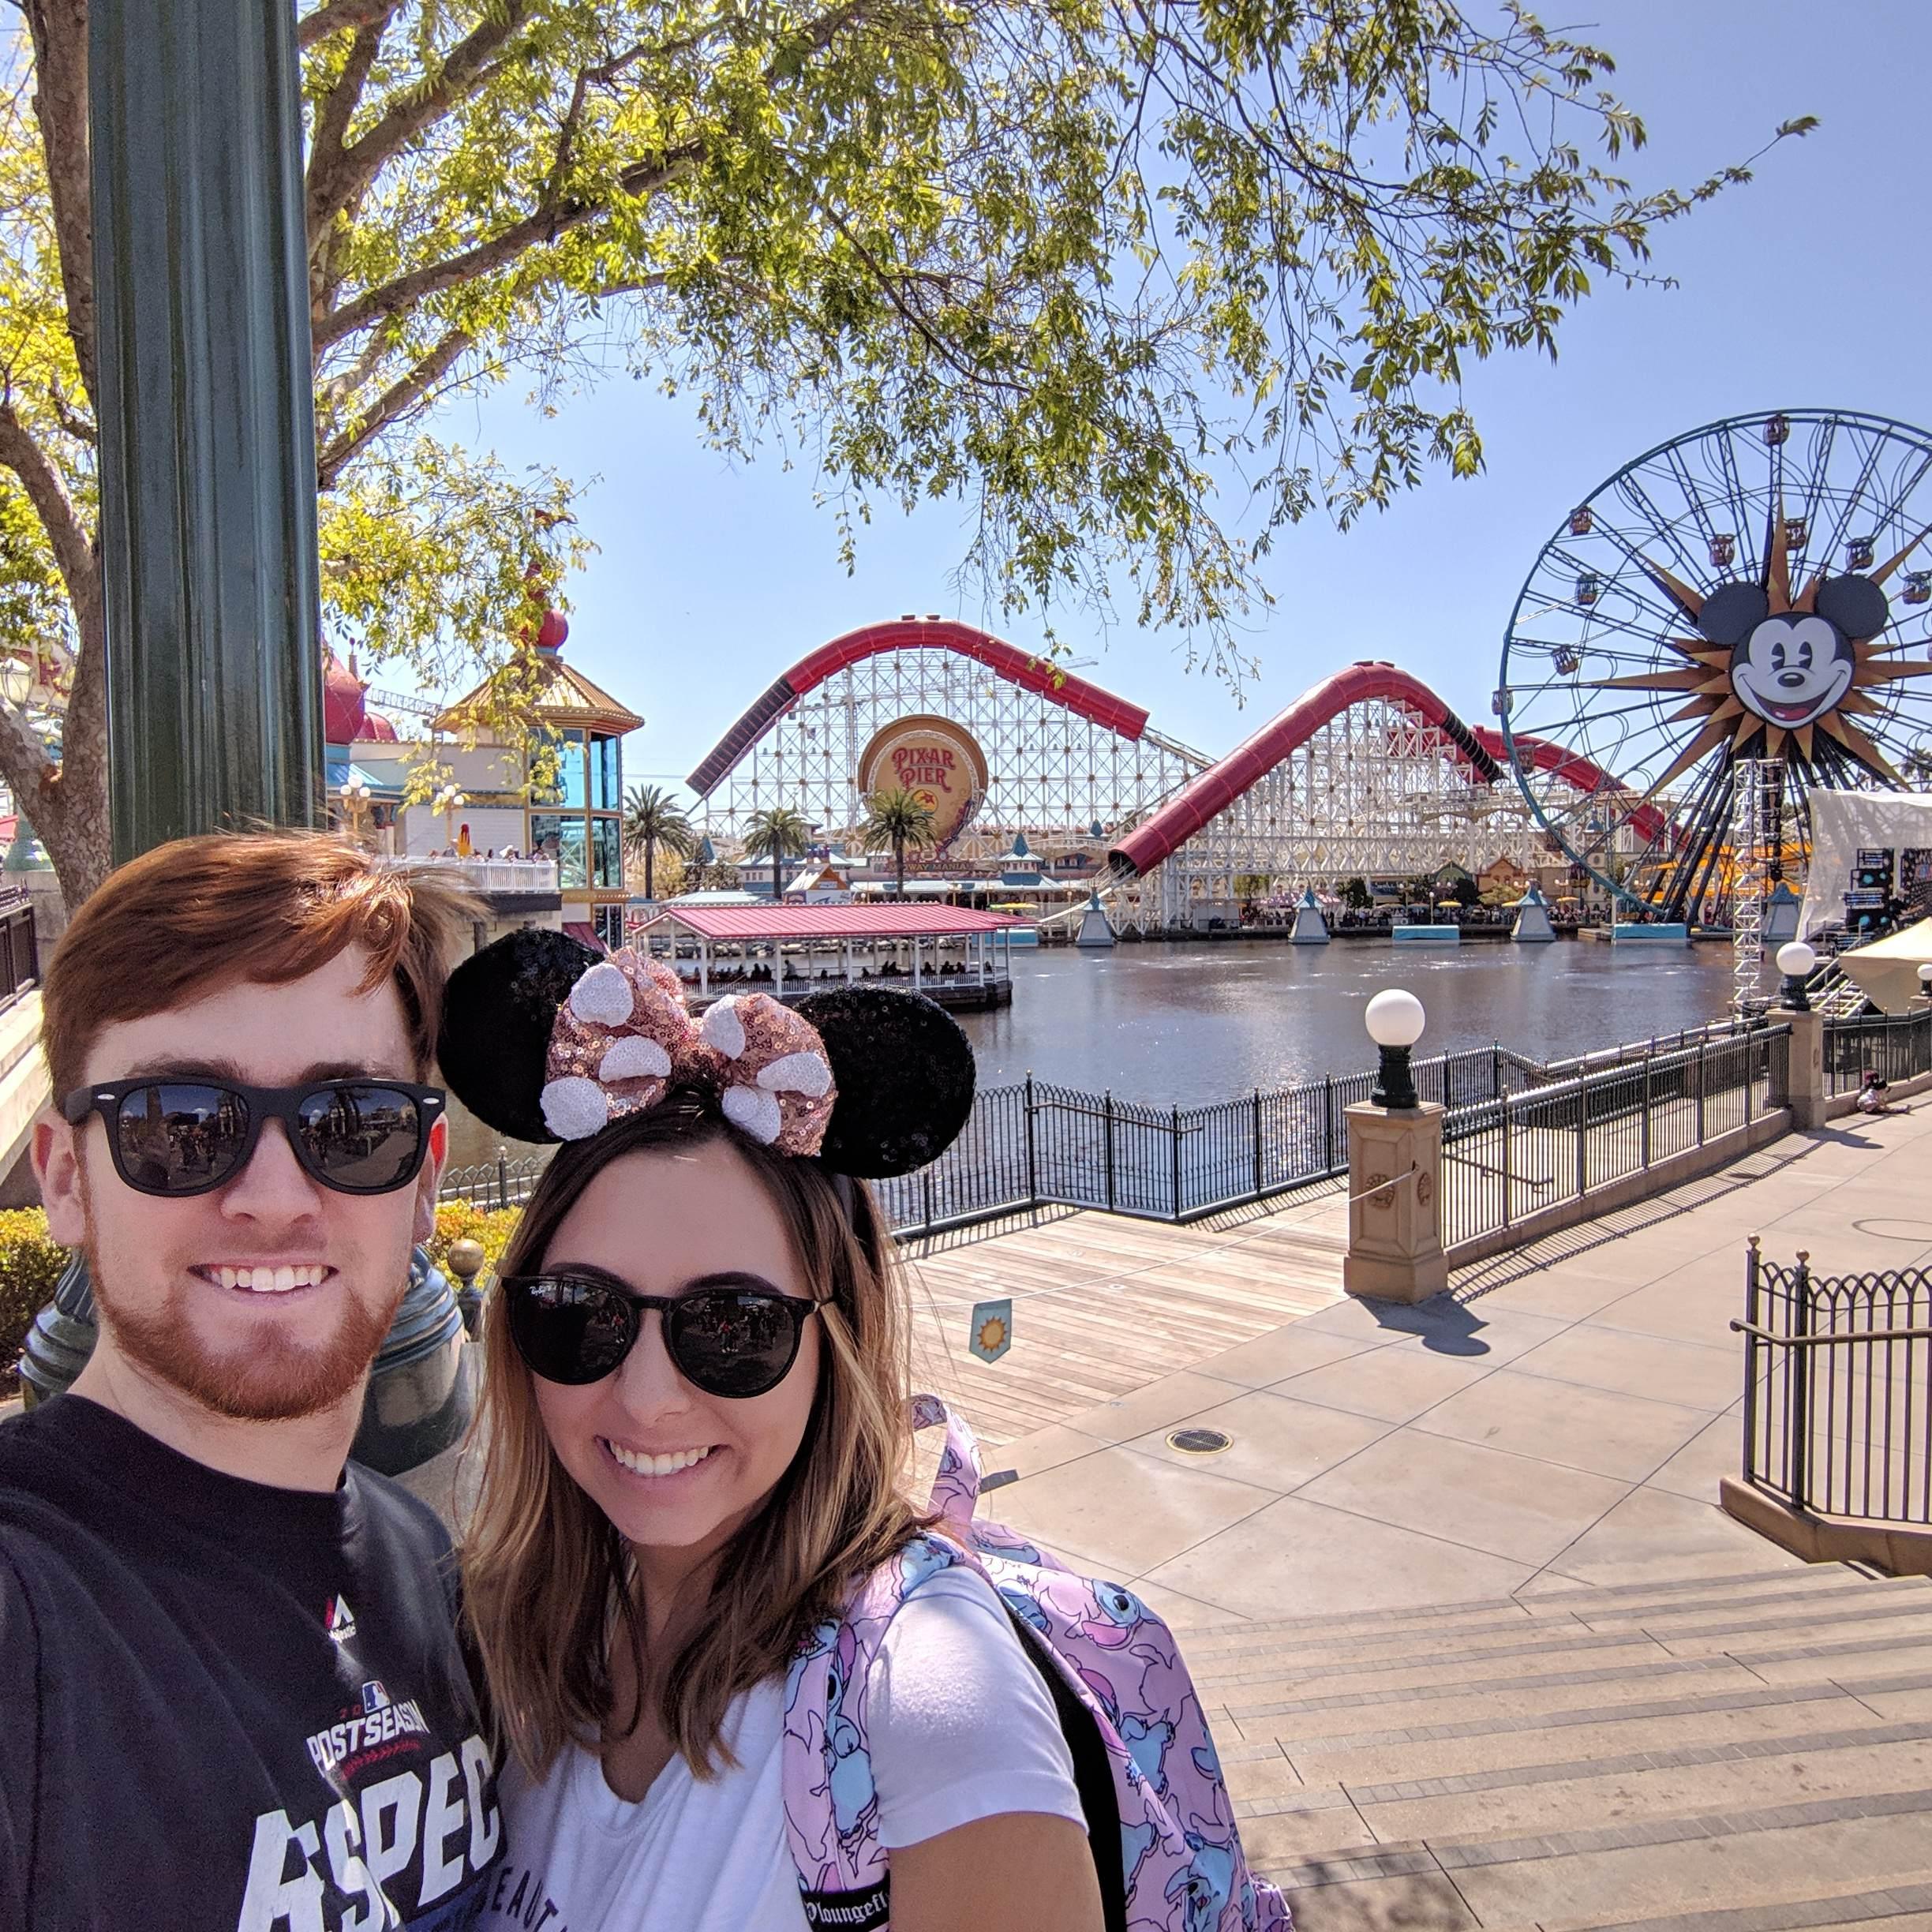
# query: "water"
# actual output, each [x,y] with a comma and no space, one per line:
[1183,1025]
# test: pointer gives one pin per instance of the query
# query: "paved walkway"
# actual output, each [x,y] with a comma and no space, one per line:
[1103,1304]
[1561,1418]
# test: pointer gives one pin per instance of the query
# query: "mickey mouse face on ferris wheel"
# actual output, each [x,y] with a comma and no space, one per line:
[1791,667]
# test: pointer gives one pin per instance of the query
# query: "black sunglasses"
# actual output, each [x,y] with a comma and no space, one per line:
[177,1137]
[578,1327]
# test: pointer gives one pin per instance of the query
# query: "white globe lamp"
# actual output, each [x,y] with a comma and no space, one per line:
[1394,1021]
[1795,960]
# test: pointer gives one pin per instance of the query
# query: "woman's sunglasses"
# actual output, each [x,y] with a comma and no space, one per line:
[578,1328]
[179,1137]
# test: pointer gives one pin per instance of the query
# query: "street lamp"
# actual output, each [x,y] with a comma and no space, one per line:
[1795,961]
[1394,1021]
[17,683]
[1925,981]
[355,794]
[446,805]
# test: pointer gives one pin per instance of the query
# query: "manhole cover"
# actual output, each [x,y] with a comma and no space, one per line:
[1199,1441]
[1895,1230]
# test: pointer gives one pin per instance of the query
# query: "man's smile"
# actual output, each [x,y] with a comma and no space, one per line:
[264,1277]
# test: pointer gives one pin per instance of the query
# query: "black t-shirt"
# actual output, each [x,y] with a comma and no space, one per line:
[228,1708]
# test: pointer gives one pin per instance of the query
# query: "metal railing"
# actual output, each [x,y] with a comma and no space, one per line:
[1514,1139]
[500,1183]
[1508,1158]
[19,966]
[1838,1390]
[1897,1048]
[1038,1144]
[498,875]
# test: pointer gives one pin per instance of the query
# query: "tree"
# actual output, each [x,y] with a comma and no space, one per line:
[652,818]
[1072,266]
[895,819]
[1356,895]
[782,833]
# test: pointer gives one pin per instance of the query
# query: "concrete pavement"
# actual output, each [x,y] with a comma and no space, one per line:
[1560,1418]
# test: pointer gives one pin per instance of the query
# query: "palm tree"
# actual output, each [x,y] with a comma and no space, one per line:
[895,820]
[784,834]
[652,818]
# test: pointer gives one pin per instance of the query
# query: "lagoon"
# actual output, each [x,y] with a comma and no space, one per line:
[1184,1025]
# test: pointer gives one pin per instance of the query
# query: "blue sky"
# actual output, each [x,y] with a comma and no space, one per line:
[1806,288]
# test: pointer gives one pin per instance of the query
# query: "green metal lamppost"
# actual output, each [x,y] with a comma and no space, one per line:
[207,488]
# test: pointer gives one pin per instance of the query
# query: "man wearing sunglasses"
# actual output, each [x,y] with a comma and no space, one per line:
[228,1658]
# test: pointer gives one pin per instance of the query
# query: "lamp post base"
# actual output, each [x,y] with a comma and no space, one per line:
[1394,1083]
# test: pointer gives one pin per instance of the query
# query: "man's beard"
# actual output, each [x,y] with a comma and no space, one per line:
[271,1381]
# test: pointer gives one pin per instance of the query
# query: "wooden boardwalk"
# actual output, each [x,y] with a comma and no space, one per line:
[1103,1304]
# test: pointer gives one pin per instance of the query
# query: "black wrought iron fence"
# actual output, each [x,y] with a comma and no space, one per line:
[19,967]
[1513,1143]
[1040,1145]
[1507,1158]
[1895,1048]
[503,1182]
[1838,1390]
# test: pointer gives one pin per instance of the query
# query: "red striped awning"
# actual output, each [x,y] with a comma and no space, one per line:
[583,930]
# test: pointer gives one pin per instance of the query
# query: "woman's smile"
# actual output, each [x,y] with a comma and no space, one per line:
[661,1467]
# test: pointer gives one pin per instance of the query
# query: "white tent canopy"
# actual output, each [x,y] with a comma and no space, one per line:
[1887,970]
[1845,823]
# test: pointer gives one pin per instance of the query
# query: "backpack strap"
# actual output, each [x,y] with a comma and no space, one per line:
[1093,1774]
[956,1488]
[831,1804]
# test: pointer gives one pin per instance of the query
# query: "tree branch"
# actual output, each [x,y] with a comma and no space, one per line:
[325,147]
[73,551]
[344,180]
[59,29]
[398,397]
[25,763]
[543,225]
[78,427]
[337,15]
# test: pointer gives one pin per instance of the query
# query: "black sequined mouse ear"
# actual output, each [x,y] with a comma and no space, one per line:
[904,1073]
[497,1013]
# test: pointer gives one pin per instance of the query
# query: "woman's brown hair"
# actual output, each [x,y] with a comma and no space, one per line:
[548,1583]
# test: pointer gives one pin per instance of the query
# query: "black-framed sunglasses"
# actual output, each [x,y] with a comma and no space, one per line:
[577,1325]
[175,1137]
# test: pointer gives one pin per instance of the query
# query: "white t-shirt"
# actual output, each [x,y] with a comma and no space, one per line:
[960,1728]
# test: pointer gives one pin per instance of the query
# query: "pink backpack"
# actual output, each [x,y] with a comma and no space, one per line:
[1158,1816]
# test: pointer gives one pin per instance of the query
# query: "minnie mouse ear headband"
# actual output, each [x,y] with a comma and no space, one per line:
[546,1039]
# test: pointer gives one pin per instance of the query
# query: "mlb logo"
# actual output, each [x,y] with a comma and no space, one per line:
[374,1697]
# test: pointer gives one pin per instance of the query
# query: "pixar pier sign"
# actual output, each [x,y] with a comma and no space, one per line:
[938,762]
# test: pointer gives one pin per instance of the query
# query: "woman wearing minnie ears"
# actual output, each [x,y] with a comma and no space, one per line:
[696,1422]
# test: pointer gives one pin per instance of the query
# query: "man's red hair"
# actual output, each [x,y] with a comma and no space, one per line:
[198,915]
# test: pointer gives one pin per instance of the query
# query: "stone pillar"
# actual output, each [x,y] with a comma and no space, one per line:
[1395,1244]
[1807,1069]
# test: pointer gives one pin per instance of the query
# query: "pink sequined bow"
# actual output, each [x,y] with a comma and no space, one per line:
[625,1035]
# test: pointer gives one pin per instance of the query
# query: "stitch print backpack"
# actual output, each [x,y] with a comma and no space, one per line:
[1148,1777]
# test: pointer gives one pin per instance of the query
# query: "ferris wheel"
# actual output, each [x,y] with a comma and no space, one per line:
[1759,589]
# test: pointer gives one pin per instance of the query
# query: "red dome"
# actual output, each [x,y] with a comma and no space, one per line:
[555,629]
[376,727]
[343,712]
